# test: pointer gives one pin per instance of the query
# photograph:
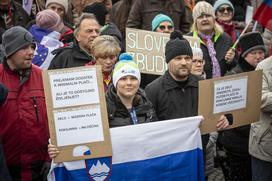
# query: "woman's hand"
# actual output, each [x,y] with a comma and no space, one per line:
[52,151]
[222,123]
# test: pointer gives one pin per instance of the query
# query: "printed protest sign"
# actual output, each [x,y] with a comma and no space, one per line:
[238,95]
[147,49]
[76,108]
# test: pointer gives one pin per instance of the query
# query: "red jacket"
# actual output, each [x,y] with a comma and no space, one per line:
[23,119]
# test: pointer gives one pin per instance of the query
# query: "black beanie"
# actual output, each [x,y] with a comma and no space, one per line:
[251,41]
[99,10]
[176,46]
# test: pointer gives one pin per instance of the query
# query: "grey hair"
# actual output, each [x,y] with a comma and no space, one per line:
[81,18]
[197,52]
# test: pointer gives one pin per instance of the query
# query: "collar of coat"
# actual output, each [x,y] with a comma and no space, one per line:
[170,83]
[215,37]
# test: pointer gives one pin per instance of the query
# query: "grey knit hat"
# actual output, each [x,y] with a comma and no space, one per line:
[16,38]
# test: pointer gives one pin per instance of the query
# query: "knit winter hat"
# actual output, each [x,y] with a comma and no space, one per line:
[251,41]
[49,19]
[16,38]
[159,19]
[219,3]
[202,7]
[125,66]
[99,10]
[63,3]
[176,46]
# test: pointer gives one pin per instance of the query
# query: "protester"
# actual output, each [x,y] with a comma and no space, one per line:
[87,29]
[175,93]
[162,24]
[23,126]
[143,12]
[198,63]
[126,102]
[12,14]
[214,43]
[105,51]
[46,33]
[62,8]
[224,12]
[235,141]
[260,144]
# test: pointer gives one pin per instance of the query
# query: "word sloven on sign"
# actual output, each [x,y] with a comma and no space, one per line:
[147,49]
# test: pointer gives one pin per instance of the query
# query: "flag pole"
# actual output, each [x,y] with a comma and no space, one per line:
[243,32]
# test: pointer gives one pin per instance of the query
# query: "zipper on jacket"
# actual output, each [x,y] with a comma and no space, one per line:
[36,108]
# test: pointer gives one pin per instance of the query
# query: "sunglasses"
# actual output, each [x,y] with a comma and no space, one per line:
[222,9]
[162,27]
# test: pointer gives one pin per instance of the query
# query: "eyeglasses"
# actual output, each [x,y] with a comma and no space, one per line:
[223,9]
[162,27]
[195,61]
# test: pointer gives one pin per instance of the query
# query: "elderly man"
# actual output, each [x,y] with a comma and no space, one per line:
[23,125]
[87,29]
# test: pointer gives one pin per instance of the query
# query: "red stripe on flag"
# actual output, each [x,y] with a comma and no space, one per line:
[264,16]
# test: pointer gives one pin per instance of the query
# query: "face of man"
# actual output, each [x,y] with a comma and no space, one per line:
[180,67]
[254,57]
[22,59]
[57,8]
[87,32]
[205,23]
[165,27]
[224,13]
[197,65]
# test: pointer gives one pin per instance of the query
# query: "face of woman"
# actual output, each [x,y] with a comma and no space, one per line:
[224,13]
[165,27]
[127,86]
[107,63]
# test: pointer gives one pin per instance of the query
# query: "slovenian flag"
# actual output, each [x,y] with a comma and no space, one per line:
[264,14]
[165,150]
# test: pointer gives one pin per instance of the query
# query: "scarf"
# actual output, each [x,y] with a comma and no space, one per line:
[229,29]
[216,71]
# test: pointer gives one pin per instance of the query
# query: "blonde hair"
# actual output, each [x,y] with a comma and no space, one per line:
[217,28]
[104,46]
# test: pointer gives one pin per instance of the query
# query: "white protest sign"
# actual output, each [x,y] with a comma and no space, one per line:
[230,95]
[147,49]
[78,126]
[249,14]
[74,88]
[77,112]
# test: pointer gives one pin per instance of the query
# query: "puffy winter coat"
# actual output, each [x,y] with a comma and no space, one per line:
[120,116]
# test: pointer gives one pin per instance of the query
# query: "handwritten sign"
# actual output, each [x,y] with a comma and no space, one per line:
[77,115]
[148,48]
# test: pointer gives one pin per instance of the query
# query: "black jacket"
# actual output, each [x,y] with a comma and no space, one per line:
[222,44]
[170,101]
[236,140]
[120,116]
[72,56]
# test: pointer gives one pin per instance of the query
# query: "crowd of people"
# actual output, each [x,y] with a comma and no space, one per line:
[57,34]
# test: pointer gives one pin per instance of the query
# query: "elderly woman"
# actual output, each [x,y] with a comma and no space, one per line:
[214,42]
[224,12]
[163,24]
[198,63]
[105,50]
